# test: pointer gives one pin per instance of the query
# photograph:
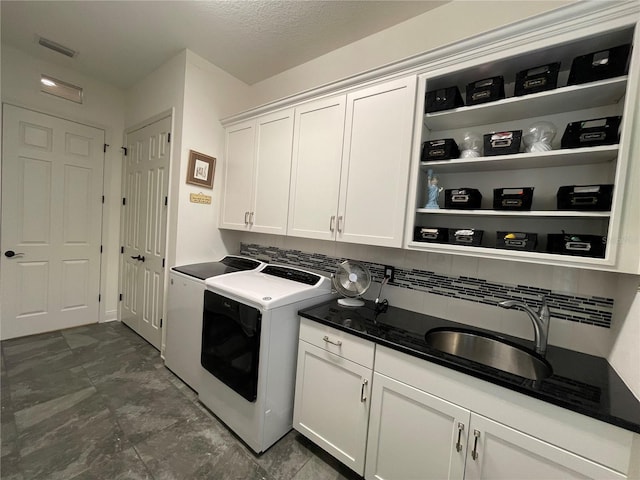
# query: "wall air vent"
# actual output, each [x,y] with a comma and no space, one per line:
[56,47]
[60,89]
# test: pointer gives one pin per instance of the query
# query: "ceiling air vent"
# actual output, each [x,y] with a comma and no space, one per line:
[56,47]
[60,89]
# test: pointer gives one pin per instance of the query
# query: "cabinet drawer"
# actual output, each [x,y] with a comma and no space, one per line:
[335,341]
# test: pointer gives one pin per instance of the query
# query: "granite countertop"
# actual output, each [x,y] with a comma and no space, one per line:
[582,383]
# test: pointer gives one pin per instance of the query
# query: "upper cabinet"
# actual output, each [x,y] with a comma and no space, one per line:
[258,163]
[350,167]
[502,201]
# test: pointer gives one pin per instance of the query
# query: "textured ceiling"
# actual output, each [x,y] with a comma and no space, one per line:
[123,41]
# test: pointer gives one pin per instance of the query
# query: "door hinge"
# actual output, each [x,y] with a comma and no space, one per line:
[121,249]
[99,298]
[105,148]
[120,297]
[166,201]
[102,198]
[100,248]
[124,201]
[163,263]
[169,137]
[125,150]
[160,323]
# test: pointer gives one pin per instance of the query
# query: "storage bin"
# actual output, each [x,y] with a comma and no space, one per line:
[463,198]
[537,79]
[577,244]
[591,133]
[585,197]
[517,241]
[599,65]
[502,143]
[443,99]
[462,236]
[443,149]
[432,235]
[486,90]
[519,198]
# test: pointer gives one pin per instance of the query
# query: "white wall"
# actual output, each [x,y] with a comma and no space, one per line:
[447,24]
[103,108]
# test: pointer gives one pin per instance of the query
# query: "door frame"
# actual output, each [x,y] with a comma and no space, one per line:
[108,131]
[170,195]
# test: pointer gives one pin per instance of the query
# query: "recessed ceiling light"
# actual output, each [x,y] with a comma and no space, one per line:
[60,89]
[56,47]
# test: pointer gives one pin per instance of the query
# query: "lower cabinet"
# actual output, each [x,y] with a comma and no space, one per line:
[332,403]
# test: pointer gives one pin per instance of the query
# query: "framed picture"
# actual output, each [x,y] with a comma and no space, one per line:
[201,169]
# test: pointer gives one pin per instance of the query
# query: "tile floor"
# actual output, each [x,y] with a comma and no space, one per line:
[96,402]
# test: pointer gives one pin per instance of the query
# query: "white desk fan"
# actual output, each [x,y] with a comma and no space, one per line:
[351,280]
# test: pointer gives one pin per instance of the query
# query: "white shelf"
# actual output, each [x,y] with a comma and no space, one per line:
[559,100]
[553,158]
[510,213]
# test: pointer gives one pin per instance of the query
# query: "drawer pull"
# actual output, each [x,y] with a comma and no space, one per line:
[337,343]
[460,430]
[363,397]
[474,453]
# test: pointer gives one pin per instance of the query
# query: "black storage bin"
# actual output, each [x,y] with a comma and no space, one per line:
[585,197]
[591,133]
[443,99]
[537,79]
[432,235]
[579,245]
[599,65]
[486,90]
[465,236]
[502,143]
[443,149]
[463,198]
[512,198]
[517,241]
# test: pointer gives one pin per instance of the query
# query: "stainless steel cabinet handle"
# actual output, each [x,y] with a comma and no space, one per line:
[337,343]
[460,430]
[340,224]
[331,223]
[363,398]
[246,215]
[474,453]
[251,218]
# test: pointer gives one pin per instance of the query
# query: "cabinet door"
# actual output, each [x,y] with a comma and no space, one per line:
[274,134]
[414,435]
[315,171]
[238,176]
[501,452]
[332,403]
[375,167]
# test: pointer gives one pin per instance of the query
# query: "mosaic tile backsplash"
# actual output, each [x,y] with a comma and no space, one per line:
[566,306]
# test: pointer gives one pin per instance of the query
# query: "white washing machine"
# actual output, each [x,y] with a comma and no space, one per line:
[249,348]
[184,313]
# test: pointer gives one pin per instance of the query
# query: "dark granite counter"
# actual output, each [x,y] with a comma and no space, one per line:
[582,383]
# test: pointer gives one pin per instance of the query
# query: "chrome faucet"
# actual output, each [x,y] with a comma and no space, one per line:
[540,321]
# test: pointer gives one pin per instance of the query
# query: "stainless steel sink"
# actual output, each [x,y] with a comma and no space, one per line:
[491,351]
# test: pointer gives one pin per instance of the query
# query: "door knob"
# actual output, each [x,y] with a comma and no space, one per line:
[11,253]
[138,257]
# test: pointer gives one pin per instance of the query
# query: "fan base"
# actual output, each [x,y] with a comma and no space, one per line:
[350,302]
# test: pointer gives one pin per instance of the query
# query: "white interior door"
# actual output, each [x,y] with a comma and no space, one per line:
[51,219]
[145,225]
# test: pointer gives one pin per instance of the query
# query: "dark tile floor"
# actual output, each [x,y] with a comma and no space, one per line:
[96,402]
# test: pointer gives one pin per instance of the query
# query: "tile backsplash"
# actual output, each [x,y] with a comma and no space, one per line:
[589,310]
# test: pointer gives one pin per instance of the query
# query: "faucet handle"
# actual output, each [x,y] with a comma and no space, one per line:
[544,307]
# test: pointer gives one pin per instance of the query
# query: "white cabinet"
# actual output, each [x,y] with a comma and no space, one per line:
[545,171]
[257,173]
[331,405]
[414,435]
[351,165]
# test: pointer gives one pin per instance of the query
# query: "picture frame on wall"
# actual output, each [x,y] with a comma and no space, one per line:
[201,169]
